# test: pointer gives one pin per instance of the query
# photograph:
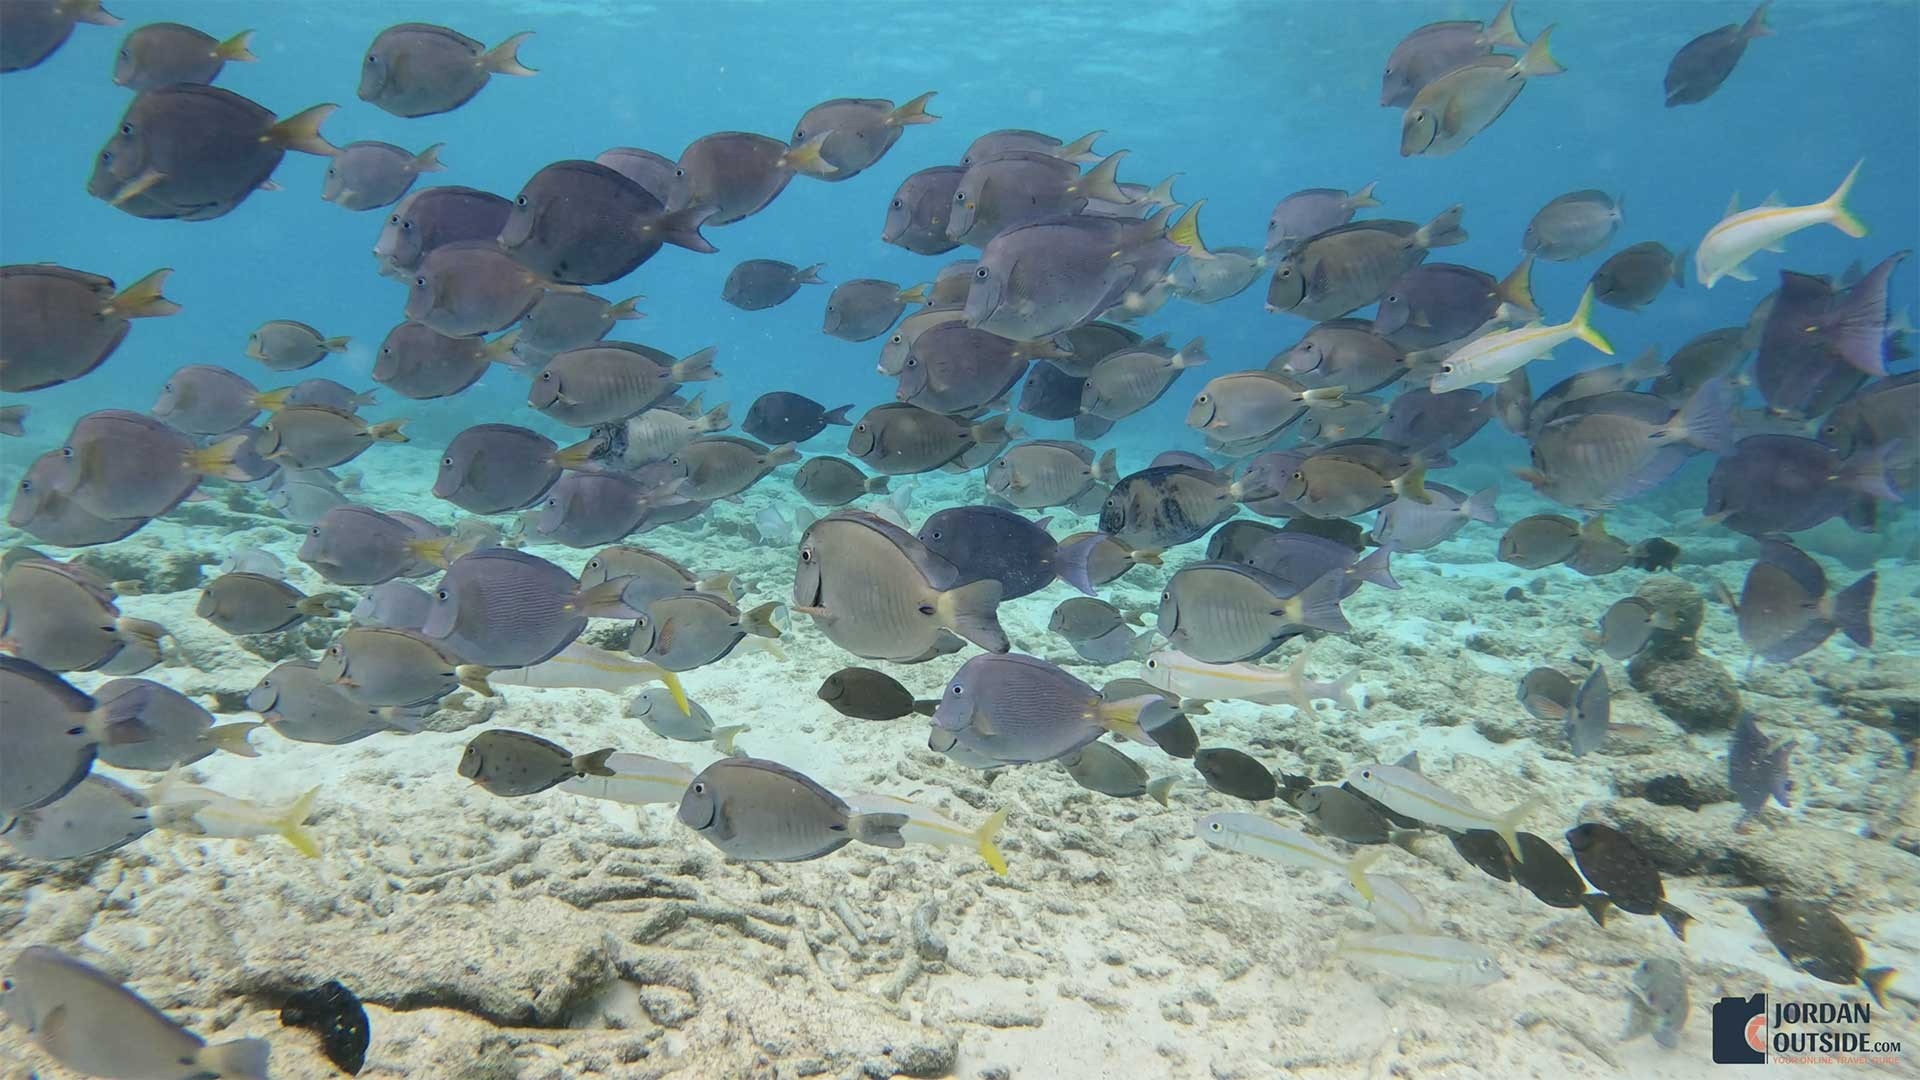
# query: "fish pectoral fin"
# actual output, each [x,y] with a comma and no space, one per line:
[50,1033]
[138,186]
[1739,273]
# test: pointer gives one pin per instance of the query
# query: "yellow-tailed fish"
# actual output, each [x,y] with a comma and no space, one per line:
[1723,252]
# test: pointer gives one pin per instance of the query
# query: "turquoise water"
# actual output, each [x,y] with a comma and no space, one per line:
[1247,102]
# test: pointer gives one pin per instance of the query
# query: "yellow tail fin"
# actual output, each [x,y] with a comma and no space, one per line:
[233,738]
[1537,60]
[1836,205]
[1186,233]
[1582,325]
[142,299]
[1357,870]
[301,132]
[983,838]
[914,112]
[237,47]
[292,824]
[504,58]
[1509,824]
[388,431]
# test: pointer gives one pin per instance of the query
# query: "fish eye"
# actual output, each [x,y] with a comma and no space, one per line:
[981,273]
[1213,825]
[798,135]
[1151,664]
[959,196]
[699,789]
[393,219]
[1286,271]
[806,554]
[372,59]
[957,689]
[895,340]
[313,530]
[862,426]
[331,171]
[546,376]
[407,225]
[1392,299]
[679,172]
[1448,368]
[522,200]
[421,282]
[896,204]
[1366,774]
[1201,400]
[913,362]
[26,485]
[446,463]
[126,129]
[440,593]
[106,157]
[66,451]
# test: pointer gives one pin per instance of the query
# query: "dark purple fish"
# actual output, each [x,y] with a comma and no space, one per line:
[1440,47]
[783,417]
[195,152]
[1432,424]
[1299,559]
[758,284]
[505,608]
[588,509]
[1702,64]
[1757,770]
[1311,212]
[30,30]
[1784,610]
[955,368]
[1820,343]
[986,542]
[493,468]
[1712,355]
[418,69]
[420,362]
[1786,484]
[917,216]
[433,217]
[644,167]
[1436,303]
[1051,394]
[58,324]
[1632,277]
[585,224]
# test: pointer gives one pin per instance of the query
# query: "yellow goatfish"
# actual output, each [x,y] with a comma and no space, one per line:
[1725,249]
[581,666]
[1498,355]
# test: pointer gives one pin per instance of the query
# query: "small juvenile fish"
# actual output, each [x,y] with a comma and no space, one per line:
[246,603]
[1095,629]
[1573,225]
[758,284]
[514,763]
[866,694]
[1406,791]
[417,69]
[1342,814]
[1539,541]
[832,481]
[285,345]
[1757,770]
[1427,958]
[1632,277]
[1311,212]
[369,175]
[755,810]
[1725,249]
[91,1023]
[1236,773]
[1590,714]
[1252,834]
[689,630]
[197,811]
[1701,65]
[1104,769]
[1546,694]
[1658,1002]
[664,715]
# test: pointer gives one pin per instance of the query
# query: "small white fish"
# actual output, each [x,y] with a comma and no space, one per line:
[1427,958]
[637,780]
[1394,906]
[584,667]
[1498,355]
[773,527]
[1178,673]
[253,560]
[1723,252]
[925,825]
[198,811]
[1406,791]
[1251,834]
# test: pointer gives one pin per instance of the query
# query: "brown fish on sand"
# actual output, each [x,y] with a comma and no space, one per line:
[1815,940]
[1616,866]
[58,324]
[245,603]
[1540,540]
[514,763]
[1784,610]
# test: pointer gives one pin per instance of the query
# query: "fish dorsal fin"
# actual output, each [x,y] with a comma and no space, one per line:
[1773,199]
[1733,204]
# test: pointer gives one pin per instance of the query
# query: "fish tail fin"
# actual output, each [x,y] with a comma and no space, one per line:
[1376,569]
[627,309]
[1756,26]
[474,678]
[237,48]
[1080,150]
[272,400]
[606,600]
[880,830]
[1516,289]
[93,12]
[877,485]
[1318,605]
[1582,325]
[322,605]
[839,416]
[13,422]
[1105,470]
[719,585]
[1836,205]
[925,706]
[671,680]
[1357,870]
[218,459]
[241,1059]
[986,834]
[1412,484]
[1364,197]
[806,157]
[681,228]
[784,454]
[301,132]
[723,738]
[759,621]
[918,294]
[400,718]
[991,430]
[504,58]
[1676,919]
[1876,980]
[1186,233]
[1509,824]
[428,160]
[579,454]
[1645,366]
[1680,262]
[1100,182]
[1853,609]
[1706,420]
[1596,905]
[1160,787]
[1538,59]
[1483,506]
[1298,695]
[336,344]
[142,299]
[913,112]
[500,349]
[389,431]
[697,367]
[810,275]
[1161,194]
[438,550]
[971,612]
[293,824]
[594,764]
[1191,355]
[128,587]
[1145,557]
[1444,230]
[233,738]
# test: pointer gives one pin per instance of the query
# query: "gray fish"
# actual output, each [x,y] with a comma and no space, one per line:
[394,604]
[1449,111]
[1539,540]
[1627,875]
[119,464]
[595,384]
[243,603]
[381,666]
[1016,709]
[358,545]
[853,133]
[657,434]
[1701,65]
[318,437]
[1712,355]
[955,368]
[419,362]
[492,468]
[1606,379]
[1590,713]
[159,54]
[866,694]
[1016,140]
[434,217]
[784,417]
[693,629]
[1353,265]
[303,501]
[736,174]
[1237,539]
[1632,277]
[285,345]
[1431,424]
[53,732]
[1310,212]
[1047,277]
[179,731]
[1658,1002]
[504,608]
[1757,769]
[1343,814]
[656,708]
[34,29]
[1020,187]
[651,171]
[865,308]
[1050,393]
[563,319]
[899,344]
[417,69]
[1230,272]
[587,509]
[370,175]
[1406,525]
[952,283]
[1251,405]
[1095,629]
[988,543]
[1437,303]
[1345,353]
[1233,772]
[298,703]
[195,152]
[762,811]
[98,816]
[877,592]
[1103,768]
[1626,627]
[91,1023]
[1784,610]
[58,324]
[1129,380]
[205,399]
[1091,559]
[322,392]
[252,559]
[1437,48]
[471,287]
[917,216]
[1615,446]
[1298,559]
[1573,225]
[720,466]
[59,615]
[514,763]
[832,481]
[1047,472]
[1345,479]
[898,438]
[1223,613]
[1164,506]
[758,284]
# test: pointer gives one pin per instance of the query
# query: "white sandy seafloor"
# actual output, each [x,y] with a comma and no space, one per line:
[556,936]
